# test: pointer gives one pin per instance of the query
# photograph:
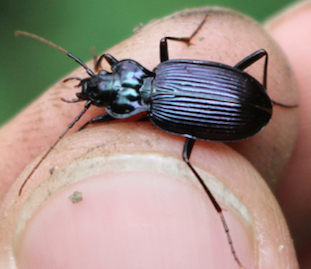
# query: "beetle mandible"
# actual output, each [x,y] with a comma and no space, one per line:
[191,98]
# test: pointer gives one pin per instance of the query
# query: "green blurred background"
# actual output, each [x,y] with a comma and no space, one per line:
[77,26]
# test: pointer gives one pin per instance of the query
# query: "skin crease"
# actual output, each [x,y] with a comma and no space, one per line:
[294,195]
[26,136]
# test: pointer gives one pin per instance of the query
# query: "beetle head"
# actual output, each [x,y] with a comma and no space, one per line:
[97,88]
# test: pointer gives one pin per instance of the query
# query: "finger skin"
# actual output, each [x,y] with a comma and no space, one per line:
[265,231]
[294,193]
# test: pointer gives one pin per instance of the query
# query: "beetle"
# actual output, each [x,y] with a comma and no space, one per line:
[190,98]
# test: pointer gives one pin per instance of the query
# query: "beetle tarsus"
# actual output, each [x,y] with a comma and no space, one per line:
[70,101]
[163,42]
[98,119]
[282,105]
[186,156]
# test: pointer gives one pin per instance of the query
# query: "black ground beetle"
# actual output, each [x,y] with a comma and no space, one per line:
[191,98]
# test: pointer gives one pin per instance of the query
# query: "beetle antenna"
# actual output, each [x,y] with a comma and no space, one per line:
[86,106]
[49,43]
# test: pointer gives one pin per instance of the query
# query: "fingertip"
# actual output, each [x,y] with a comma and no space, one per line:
[131,220]
[291,30]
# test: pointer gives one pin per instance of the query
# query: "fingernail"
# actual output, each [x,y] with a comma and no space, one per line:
[131,211]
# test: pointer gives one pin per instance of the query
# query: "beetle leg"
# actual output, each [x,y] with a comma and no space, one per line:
[163,42]
[164,48]
[72,78]
[254,57]
[282,105]
[109,58]
[249,60]
[100,118]
[71,101]
[186,155]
